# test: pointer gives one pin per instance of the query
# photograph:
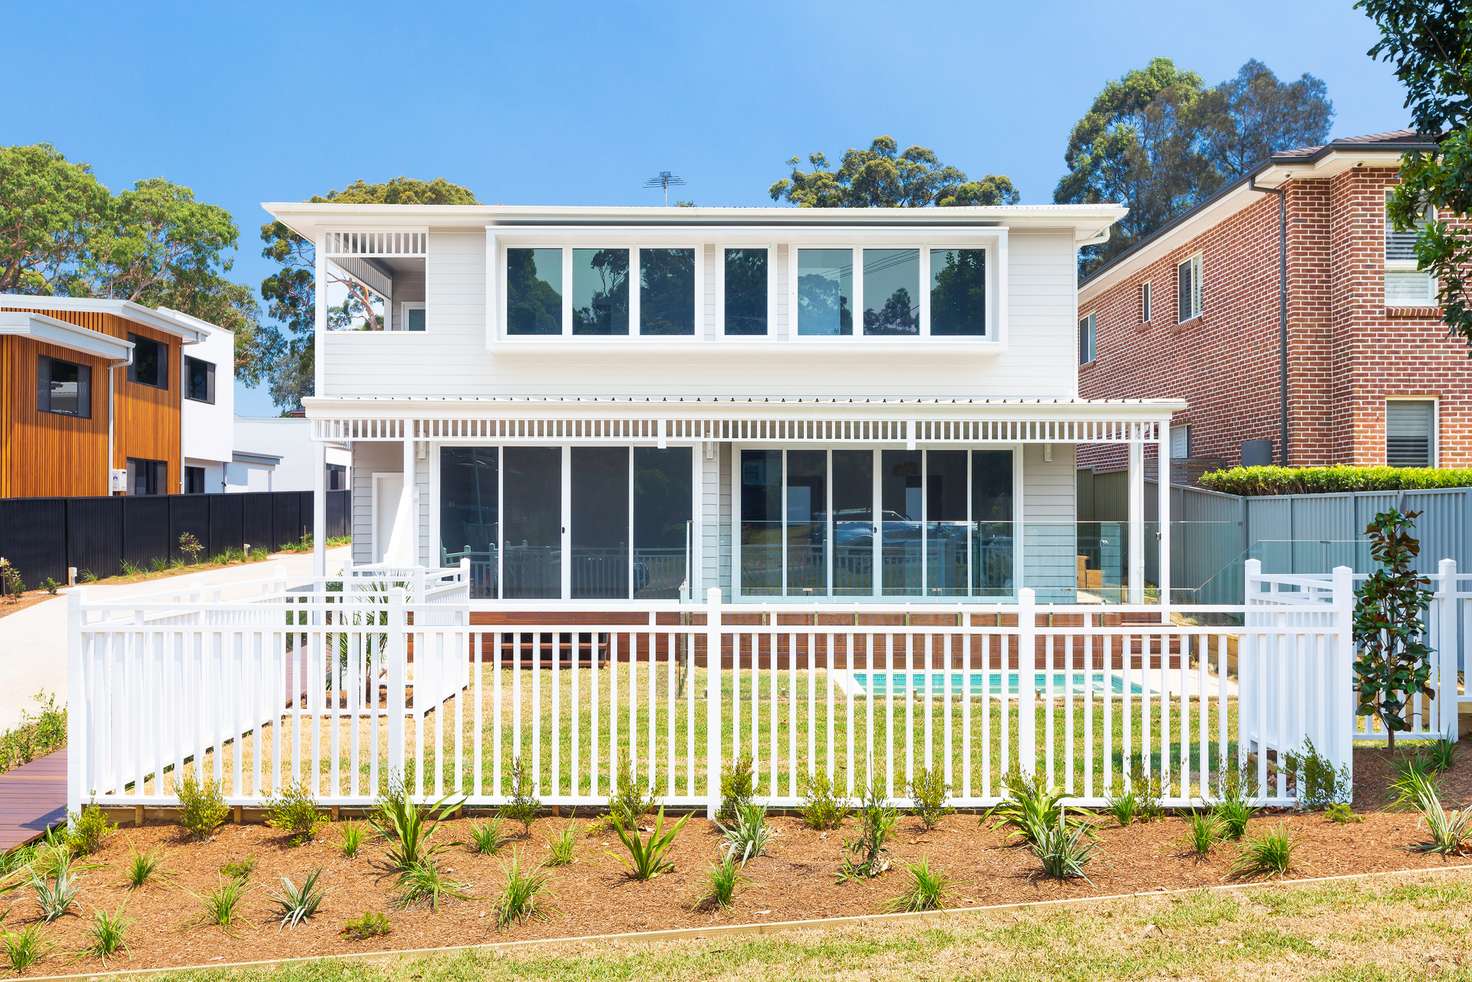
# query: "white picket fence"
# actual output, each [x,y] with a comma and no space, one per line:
[345,686]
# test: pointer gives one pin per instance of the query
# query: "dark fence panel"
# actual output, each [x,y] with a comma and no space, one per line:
[33,537]
[94,535]
[43,536]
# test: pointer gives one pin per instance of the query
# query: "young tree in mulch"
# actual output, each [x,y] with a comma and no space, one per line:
[1393,662]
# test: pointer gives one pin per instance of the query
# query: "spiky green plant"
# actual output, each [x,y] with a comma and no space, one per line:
[223,903]
[524,805]
[521,896]
[747,835]
[560,849]
[488,837]
[866,855]
[56,894]
[408,828]
[926,890]
[1031,809]
[648,858]
[1065,848]
[23,948]
[721,881]
[425,883]
[1124,807]
[1233,814]
[350,839]
[1270,854]
[1203,829]
[298,904]
[141,867]
[1450,829]
[106,935]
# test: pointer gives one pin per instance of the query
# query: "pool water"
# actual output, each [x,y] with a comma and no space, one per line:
[884,683]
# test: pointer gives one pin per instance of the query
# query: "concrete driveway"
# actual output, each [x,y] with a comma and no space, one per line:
[33,655]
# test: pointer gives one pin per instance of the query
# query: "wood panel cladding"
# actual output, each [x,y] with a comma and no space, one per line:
[47,454]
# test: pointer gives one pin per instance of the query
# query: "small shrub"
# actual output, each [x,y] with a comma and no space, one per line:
[631,801]
[1203,829]
[822,808]
[107,932]
[350,839]
[223,902]
[425,883]
[1148,795]
[746,837]
[521,896]
[35,735]
[524,805]
[488,837]
[294,813]
[298,904]
[23,948]
[1315,780]
[1232,814]
[202,808]
[1340,813]
[89,831]
[49,856]
[562,846]
[56,894]
[1411,772]
[11,584]
[867,854]
[738,786]
[1064,849]
[239,869]
[190,546]
[408,827]
[142,867]
[50,585]
[129,568]
[1450,828]
[1270,854]
[370,924]
[721,881]
[925,892]
[158,564]
[929,789]
[87,576]
[1273,480]
[1030,809]
[649,857]
[1124,808]
[1439,756]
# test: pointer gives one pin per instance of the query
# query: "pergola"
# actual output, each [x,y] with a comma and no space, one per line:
[784,420]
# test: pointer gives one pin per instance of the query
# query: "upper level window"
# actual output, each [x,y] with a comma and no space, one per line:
[1086,339]
[533,291]
[1145,302]
[1405,285]
[745,287]
[1188,289]
[150,362]
[825,292]
[376,280]
[600,291]
[891,291]
[667,291]
[199,380]
[63,388]
[958,292]
[1410,433]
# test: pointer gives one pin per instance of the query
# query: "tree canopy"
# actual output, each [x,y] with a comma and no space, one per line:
[1430,44]
[62,232]
[1160,141]
[284,347]
[884,177]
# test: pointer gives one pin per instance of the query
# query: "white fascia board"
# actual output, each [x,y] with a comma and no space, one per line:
[63,334]
[161,320]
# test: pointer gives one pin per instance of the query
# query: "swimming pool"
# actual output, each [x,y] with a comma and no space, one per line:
[979,683]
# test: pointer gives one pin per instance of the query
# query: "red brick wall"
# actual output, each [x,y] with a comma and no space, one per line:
[1347,351]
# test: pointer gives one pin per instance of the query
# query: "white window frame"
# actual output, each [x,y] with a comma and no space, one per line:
[1147,302]
[876,594]
[720,295]
[1194,262]
[1091,318]
[1406,266]
[696,516]
[408,236]
[1435,426]
[1185,430]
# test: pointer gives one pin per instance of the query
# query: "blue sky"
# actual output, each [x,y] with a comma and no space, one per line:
[578,103]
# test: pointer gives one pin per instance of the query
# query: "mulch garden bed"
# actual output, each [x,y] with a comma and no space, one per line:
[795,880]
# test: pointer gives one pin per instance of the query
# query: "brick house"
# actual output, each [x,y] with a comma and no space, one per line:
[1343,360]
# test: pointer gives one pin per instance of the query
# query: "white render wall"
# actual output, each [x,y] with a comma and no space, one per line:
[208,427]
[451,357]
[287,437]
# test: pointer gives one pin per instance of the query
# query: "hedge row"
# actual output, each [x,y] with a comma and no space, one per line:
[1322,480]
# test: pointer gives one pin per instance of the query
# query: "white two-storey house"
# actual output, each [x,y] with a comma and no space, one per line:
[629,404]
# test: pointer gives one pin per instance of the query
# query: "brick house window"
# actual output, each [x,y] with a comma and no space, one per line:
[1180,442]
[1405,285]
[1410,432]
[1086,339]
[1188,289]
[1145,304]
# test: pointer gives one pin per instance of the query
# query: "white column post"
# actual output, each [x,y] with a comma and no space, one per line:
[1444,604]
[713,719]
[319,510]
[1342,694]
[1162,450]
[1136,529]
[319,323]
[398,657]
[78,712]
[409,500]
[1026,681]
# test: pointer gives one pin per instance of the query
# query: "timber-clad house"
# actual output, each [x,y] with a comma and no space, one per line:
[599,405]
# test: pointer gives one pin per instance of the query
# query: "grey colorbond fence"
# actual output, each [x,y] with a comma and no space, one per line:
[43,536]
[1212,533]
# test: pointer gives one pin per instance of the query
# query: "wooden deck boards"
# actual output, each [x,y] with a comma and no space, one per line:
[32,798]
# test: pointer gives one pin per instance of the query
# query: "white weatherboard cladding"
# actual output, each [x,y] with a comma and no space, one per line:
[1049,535]
[451,357]
[386,458]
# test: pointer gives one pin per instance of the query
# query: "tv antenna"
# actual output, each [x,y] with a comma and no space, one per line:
[665,180]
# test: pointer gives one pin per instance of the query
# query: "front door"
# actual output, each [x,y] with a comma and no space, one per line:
[387,487]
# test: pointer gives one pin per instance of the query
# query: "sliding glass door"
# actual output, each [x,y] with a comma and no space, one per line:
[582,523]
[865,523]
